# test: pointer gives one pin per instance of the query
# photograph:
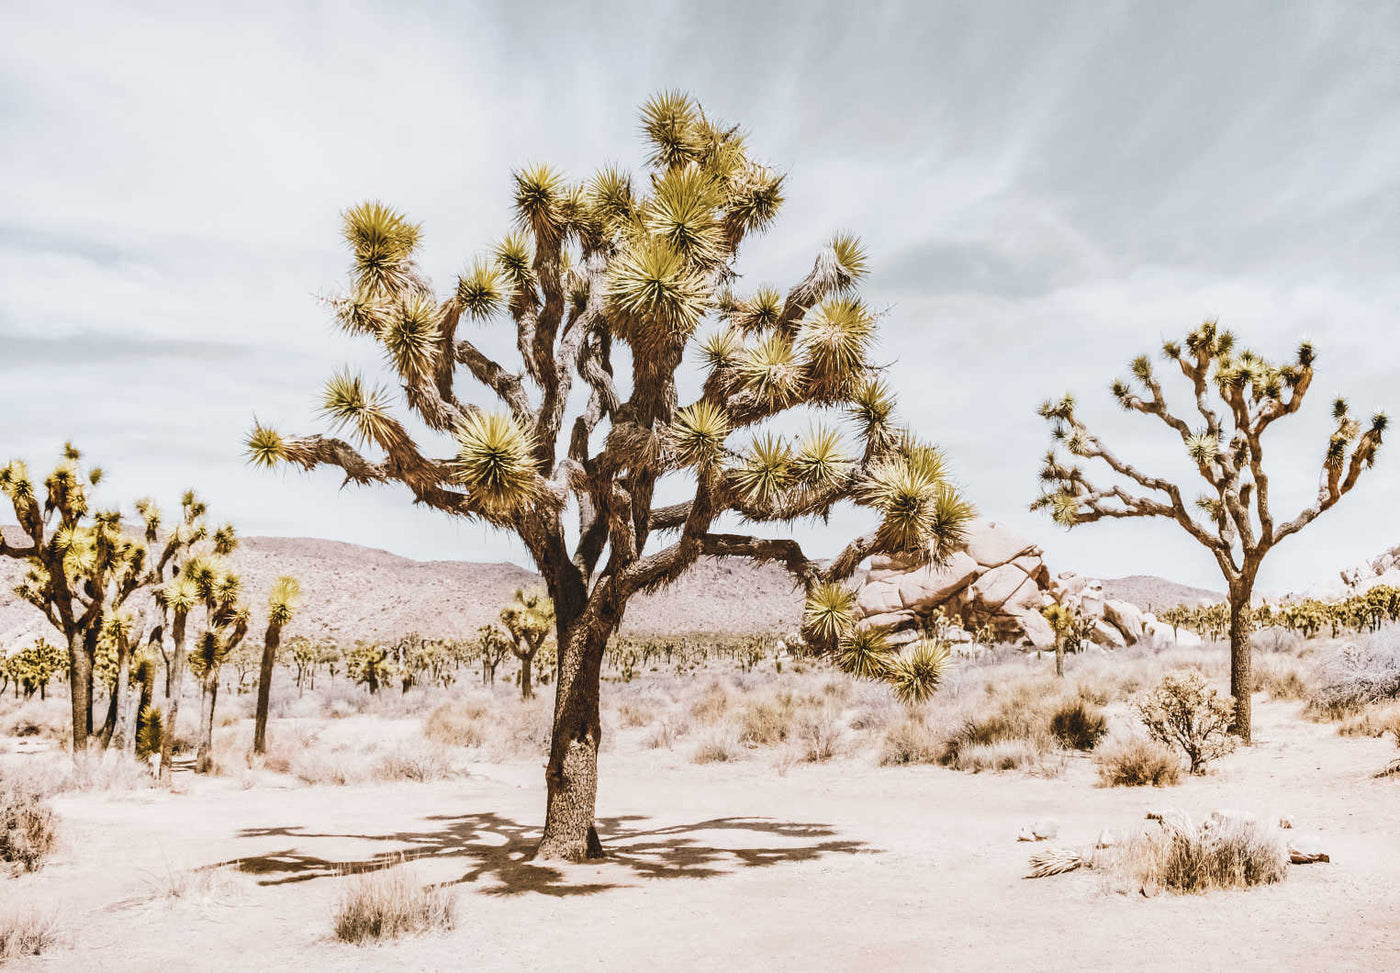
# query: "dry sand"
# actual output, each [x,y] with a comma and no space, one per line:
[843,866]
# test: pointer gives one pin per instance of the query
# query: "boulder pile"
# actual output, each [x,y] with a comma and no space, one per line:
[997,584]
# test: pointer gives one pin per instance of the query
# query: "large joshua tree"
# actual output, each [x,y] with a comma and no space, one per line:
[1237,395]
[608,283]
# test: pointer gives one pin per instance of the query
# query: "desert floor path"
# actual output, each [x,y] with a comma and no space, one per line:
[842,866]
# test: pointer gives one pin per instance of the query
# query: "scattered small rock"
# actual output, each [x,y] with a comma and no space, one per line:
[1107,839]
[1306,850]
[1285,822]
[1039,831]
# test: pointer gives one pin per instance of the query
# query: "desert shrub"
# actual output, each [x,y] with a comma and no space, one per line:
[26,933]
[405,762]
[910,742]
[387,904]
[457,725]
[634,716]
[1281,677]
[666,733]
[767,722]
[1186,713]
[819,734]
[1364,672]
[1222,853]
[712,705]
[520,728]
[1376,720]
[1078,725]
[716,748]
[46,719]
[999,755]
[28,830]
[1138,763]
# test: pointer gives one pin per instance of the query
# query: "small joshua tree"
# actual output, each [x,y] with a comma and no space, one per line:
[650,264]
[1070,628]
[492,645]
[1187,713]
[1237,396]
[529,619]
[282,603]
[225,624]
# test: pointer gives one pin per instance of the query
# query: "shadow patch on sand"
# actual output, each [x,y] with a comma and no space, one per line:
[498,850]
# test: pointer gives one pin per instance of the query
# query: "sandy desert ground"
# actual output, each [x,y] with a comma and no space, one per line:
[842,865]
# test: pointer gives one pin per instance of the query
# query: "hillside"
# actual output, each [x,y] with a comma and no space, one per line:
[359,592]
[1153,593]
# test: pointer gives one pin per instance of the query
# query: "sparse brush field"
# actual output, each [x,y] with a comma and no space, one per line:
[816,821]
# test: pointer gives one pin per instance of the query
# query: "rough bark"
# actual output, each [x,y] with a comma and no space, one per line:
[527,662]
[171,713]
[1241,662]
[204,758]
[80,689]
[571,776]
[269,657]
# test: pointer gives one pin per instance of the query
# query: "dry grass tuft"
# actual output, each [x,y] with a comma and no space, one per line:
[388,904]
[1138,763]
[28,829]
[1078,725]
[634,716]
[910,742]
[457,725]
[719,747]
[1225,852]
[26,933]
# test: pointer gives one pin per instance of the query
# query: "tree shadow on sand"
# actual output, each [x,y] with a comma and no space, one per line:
[498,849]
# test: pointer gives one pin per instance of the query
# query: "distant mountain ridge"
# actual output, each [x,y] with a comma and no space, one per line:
[353,592]
[1152,593]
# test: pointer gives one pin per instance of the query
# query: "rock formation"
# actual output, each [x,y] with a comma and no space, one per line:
[999,581]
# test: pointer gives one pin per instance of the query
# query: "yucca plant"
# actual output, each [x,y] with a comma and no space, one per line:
[282,602]
[650,263]
[1237,396]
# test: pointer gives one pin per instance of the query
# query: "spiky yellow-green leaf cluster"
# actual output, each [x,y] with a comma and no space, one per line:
[866,653]
[916,674]
[829,613]
[495,462]
[697,434]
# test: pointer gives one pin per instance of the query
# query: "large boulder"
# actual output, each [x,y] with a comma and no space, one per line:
[879,597]
[930,586]
[991,544]
[1126,617]
[1106,635]
[1037,630]
[993,589]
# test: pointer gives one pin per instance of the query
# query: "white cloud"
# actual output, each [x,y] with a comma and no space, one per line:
[1047,190]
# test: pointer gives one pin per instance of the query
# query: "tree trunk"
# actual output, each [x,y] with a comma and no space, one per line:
[527,662]
[204,758]
[1241,663]
[269,656]
[175,675]
[80,690]
[121,694]
[572,773]
[1059,658]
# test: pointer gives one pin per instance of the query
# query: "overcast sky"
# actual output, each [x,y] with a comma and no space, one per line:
[1046,191]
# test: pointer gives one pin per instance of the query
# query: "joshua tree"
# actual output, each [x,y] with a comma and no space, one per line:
[530,621]
[491,647]
[1237,395]
[1070,630]
[282,602]
[81,567]
[225,625]
[186,569]
[33,666]
[592,267]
